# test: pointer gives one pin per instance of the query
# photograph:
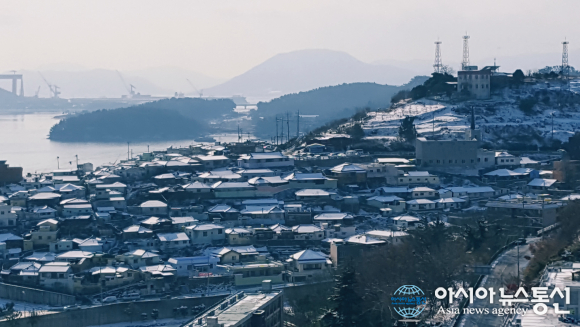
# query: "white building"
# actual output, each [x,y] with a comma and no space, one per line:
[173,241]
[308,233]
[153,207]
[193,266]
[308,264]
[272,160]
[206,233]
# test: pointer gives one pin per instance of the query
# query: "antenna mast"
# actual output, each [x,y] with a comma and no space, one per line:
[565,66]
[438,66]
[465,62]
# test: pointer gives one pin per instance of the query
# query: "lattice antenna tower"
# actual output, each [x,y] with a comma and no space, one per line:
[438,66]
[565,66]
[465,62]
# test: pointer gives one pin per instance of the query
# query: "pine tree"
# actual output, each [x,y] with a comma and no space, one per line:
[346,308]
[407,129]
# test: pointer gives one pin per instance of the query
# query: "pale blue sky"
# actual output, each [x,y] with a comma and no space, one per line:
[224,38]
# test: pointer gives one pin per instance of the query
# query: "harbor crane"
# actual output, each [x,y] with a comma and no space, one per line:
[130,89]
[54,89]
[199,92]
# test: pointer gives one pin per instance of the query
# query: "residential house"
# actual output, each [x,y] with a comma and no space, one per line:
[269,212]
[193,266]
[57,276]
[310,181]
[421,204]
[224,190]
[417,178]
[504,159]
[541,185]
[153,208]
[308,233]
[70,210]
[307,265]
[423,193]
[179,223]
[197,187]
[450,203]
[406,222]
[173,241]
[206,233]
[136,231]
[331,218]
[44,233]
[210,162]
[315,195]
[390,236]
[239,236]
[395,203]
[7,216]
[347,173]
[235,254]
[223,212]
[271,160]
[332,231]
[139,258]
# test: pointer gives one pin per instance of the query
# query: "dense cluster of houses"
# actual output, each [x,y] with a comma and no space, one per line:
[173,218]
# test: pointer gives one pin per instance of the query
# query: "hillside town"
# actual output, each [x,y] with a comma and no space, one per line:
[222,218]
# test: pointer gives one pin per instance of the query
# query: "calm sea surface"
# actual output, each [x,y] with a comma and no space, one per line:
[24,142]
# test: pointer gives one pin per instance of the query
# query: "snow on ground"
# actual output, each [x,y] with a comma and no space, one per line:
[26,307]
[497,117]
[161,322]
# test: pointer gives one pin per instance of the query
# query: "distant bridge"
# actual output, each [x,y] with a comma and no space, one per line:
[15,78]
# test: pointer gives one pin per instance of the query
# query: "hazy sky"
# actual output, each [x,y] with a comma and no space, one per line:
[224,38]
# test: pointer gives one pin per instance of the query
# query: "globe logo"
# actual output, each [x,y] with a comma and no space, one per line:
[409,301]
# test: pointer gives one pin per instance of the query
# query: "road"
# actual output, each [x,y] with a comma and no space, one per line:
[503,268]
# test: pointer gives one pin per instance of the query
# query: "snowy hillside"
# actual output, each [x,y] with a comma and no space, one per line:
[500,118]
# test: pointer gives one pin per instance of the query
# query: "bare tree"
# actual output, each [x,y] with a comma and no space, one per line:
[446,69]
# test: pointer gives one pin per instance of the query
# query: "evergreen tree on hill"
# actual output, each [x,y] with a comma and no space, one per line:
[407,130]
[347,310]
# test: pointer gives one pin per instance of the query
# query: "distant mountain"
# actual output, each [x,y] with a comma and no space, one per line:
[306,70]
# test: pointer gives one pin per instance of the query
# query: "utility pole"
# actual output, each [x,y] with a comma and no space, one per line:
[276,129]
[552,125]
[297,124]
[433,124]
[518,246]
[77,157]
[57,163]
[288,126]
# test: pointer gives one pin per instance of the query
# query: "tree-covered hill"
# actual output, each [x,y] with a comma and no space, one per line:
[169,119]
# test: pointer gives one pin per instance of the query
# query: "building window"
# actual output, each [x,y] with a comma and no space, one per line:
[450,161]
[485,159]
[204,233]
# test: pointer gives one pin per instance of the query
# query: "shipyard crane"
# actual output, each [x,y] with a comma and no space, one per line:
[129,89]
[200,92]
[54,89]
